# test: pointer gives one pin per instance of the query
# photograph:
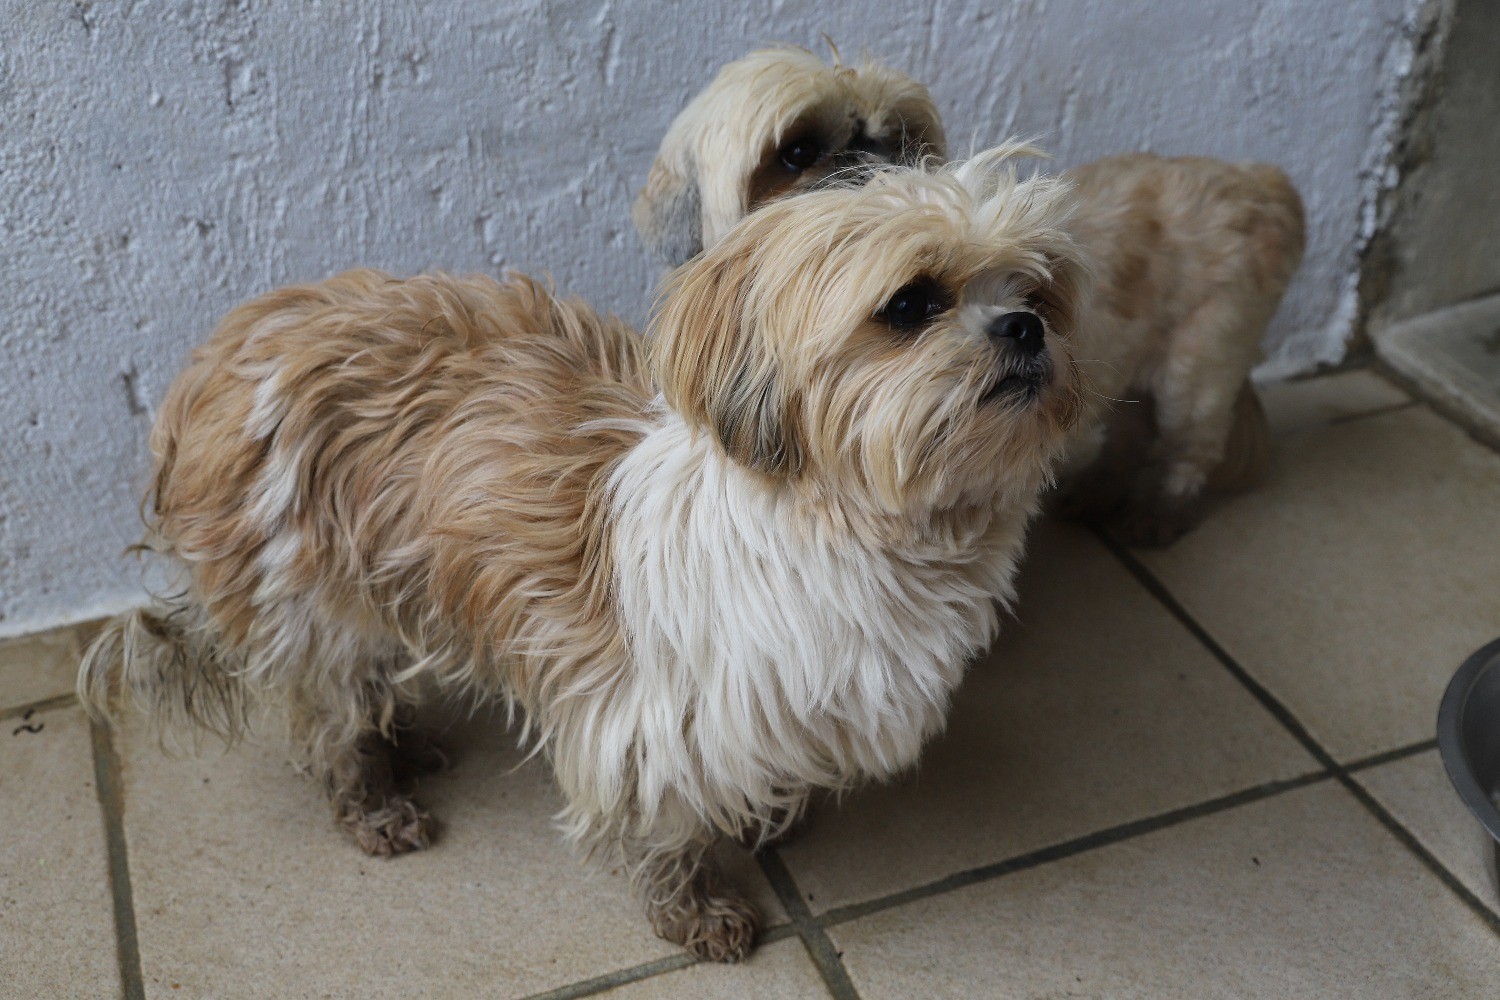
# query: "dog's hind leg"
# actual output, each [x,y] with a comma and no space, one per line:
[1200,394]
[361,784]
[414,751]
[352,735]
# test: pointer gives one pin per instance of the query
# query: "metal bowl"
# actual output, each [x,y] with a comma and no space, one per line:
[1468,735]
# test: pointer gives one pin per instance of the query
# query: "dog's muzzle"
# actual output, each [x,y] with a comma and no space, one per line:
[1026,368]
[1019,331]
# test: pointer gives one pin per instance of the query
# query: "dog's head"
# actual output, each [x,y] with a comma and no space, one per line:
[775,122]
[906,343]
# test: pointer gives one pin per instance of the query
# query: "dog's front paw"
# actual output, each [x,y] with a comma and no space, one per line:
[399,826]
[717,929]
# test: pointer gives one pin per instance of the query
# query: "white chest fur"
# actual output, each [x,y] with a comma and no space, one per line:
[769,655]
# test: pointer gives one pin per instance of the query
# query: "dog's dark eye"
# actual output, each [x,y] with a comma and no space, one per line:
[799,154]
[913,305]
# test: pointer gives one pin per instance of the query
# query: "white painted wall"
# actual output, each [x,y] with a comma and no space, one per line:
[160,162]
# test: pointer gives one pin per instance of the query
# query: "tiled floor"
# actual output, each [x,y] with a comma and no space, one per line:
[1204,772]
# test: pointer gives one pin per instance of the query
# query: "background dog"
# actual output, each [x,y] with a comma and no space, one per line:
[713,578]
[775,122]
[1194,256]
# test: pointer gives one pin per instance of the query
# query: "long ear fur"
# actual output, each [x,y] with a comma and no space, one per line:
[717,372]
[668,213]
[922,135]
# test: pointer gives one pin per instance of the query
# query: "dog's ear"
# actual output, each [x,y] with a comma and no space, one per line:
[717,372]
[668,214]
[922,134]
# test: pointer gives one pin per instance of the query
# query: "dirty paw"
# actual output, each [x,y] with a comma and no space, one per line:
[400,826]
[714,928]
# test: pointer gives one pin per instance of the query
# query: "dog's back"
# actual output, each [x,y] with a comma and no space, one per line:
[341,452]
[1174,234]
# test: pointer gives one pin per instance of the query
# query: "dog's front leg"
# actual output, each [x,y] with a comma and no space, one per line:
[690,902]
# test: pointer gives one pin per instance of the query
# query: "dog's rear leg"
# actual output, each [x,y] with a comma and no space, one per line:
[1199,391]
[361,784]
[690,903]
[347,743]
[414,751]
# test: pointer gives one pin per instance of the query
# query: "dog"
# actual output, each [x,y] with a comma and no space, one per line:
[713,569]
[773,123]
[1194,256]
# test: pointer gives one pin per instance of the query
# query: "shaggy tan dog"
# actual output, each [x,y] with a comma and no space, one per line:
[1194,256]
[712,575]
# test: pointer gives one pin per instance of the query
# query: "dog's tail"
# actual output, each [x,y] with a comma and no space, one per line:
[167,664]
[1247,450]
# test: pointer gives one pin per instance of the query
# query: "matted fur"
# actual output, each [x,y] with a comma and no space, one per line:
[1194,257]
[711,581]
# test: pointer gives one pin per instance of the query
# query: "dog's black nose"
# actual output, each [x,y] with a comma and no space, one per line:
[1023,329]
[869,147]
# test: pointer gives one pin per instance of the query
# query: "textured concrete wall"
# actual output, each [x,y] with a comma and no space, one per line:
[1441,243]
[161,161]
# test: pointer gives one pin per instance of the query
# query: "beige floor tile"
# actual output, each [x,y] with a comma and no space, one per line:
[1310,403]
[1301,895]
[37,667]
[781,971]
[1358,578]
[57,932]
[1417,792]
[244,888]
[1098,710]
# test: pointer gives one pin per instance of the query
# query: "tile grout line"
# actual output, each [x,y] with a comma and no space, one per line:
[829,963]
[1411,843]
[1388,756]
[646,970]
[621,977]
[1107,837]
[1258,691]
[1284,715]
[1113,835]
[107,784]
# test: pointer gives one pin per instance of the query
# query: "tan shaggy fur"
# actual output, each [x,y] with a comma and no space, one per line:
[1194,256]
[709,581]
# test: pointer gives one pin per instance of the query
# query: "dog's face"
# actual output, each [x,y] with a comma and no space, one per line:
[773,123]
[905,343]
